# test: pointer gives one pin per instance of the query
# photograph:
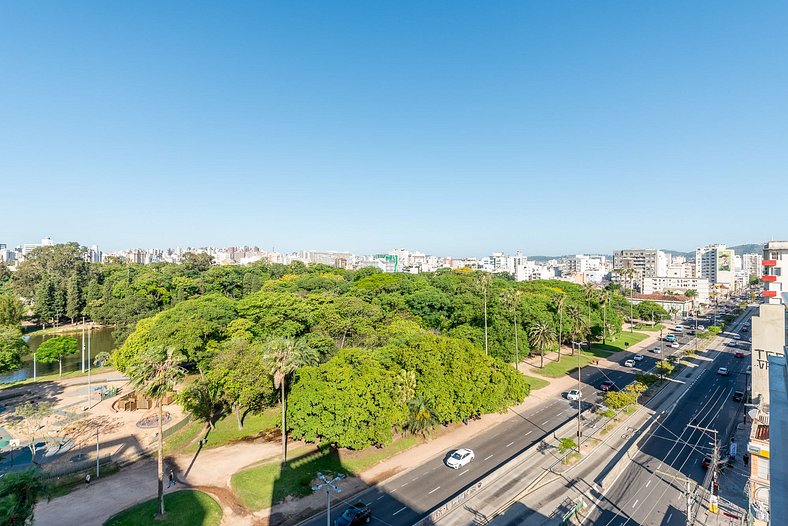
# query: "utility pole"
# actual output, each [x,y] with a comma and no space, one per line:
[711,476]
[689,493]
[579,401]
[83,345]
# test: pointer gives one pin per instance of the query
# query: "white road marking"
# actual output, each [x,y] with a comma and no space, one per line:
[399,510]
[464,472]
[380,497]
[414,480]
[509,444]
[528,433]
[659,467]
[404,484]
[433,491]
[668,519]
[488,457]
[635,503]
[543,423]
[649,482]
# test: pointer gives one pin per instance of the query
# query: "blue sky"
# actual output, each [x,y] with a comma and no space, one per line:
[456,128]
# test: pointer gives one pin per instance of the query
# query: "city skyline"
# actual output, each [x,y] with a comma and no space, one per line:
[466,129]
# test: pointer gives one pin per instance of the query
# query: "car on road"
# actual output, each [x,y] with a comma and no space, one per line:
[678,328]
[670,338]
[731,344]
[358,513]
[574,394]
[739,354]
[749,369]
[736,336]
[675,345]
[656,350]
[745,329]
[701,328]
[607,385]
[638,357]
[460,458]
[722,371]
[706,462]
[738,396]
[629,363]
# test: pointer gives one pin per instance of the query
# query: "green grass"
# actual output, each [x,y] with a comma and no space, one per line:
[567,364]
[648,327]
[184,508]
[536,383]
[54,377]
[264,485]
[226,432]
[624,340]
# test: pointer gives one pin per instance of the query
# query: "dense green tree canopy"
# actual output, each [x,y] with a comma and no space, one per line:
[12,347]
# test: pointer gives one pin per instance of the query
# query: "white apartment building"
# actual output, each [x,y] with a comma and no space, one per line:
[775,271]
[715,263]
[647,262]
[751,264]
[664,284]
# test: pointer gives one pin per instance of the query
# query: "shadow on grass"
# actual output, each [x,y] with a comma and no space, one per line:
[183,508]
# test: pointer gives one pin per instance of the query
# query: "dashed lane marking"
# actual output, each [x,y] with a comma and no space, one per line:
[399,510]
[635,503]
[464,472]
[509,444]
[433,491]
[488,457]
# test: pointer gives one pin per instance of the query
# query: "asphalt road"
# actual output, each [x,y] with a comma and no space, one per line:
[643,495]
[408,498]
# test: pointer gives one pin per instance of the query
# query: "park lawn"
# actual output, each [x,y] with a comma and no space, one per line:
[186,440]
[567,364]
[624,340]
[264,485]
[54,377]
[184,508]
[536,383]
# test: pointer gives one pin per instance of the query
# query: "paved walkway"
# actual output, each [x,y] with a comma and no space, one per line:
[212,468]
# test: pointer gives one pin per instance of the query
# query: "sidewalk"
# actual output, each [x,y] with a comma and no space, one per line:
[212,468]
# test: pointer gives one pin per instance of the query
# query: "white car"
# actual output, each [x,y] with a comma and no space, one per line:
[656,350]
[629,363]
[731,344]
[638,357]
[574,394]
[460,458]
[678,328]
[723,371]
[737,336]
[675,345]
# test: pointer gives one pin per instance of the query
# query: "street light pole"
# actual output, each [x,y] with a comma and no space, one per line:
[579,400]
[97,452]
[329,485]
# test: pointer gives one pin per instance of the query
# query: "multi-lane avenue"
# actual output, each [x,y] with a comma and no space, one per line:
[411,496]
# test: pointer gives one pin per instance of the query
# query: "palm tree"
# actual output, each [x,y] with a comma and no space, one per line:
[692,294]
[558,302]
[512,298]
[575,315]
[421,420]
[484,281]
[604,299]
[283,356]
[155,373]
[590,293]
[540,337]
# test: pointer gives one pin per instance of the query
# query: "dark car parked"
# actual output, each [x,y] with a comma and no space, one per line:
[738,396]
[358,513]
[607,385]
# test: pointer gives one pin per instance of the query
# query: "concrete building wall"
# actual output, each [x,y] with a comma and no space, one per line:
[768,339]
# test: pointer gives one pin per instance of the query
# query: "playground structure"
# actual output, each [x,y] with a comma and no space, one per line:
[136,400]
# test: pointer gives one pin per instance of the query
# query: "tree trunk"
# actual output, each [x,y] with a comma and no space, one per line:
[160,463]
[560,330]
[237,411]
[60,366]
[284,429]
[541,353]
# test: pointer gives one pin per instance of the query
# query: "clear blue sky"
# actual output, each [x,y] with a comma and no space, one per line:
[455,128]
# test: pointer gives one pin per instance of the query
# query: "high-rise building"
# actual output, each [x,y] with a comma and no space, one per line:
[716,264]
[648,262]
[775,271]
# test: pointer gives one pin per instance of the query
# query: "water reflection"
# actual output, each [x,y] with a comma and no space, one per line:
[100,341]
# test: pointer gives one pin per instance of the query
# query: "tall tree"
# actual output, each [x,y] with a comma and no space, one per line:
[284,356]
[604,299]
[155,373]
[575,315]
[484,280]
[11,309]
[512,299]
[55,349]
[45,305]
[558,302]
[32,422]
[540,337]
[590,293]
[12,346]
[74,302]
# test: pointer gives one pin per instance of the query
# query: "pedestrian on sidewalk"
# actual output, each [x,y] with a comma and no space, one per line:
[172,479]
[746,459]
[87,480]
